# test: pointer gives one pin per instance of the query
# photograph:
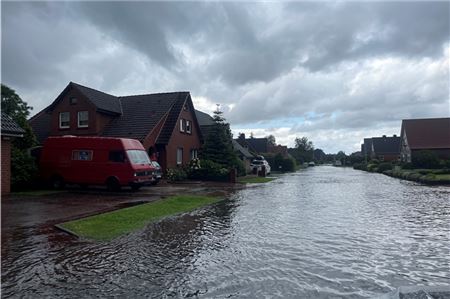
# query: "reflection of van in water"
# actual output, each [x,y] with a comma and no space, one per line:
[113,162]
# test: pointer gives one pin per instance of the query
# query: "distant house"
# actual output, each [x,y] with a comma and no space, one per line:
[431,134]
[243,154]
[262,146]
[386,148]
[165,123]
[366,149]
[10,129]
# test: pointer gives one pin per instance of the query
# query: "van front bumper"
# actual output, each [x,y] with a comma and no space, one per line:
[143,181]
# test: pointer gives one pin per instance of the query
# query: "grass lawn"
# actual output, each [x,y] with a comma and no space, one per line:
[254,179]
[36,192]
[110,225]
[443,177]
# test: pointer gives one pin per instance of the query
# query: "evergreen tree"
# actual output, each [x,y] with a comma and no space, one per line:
[218,145]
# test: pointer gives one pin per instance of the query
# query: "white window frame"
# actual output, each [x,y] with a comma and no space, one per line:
[79,119]
[194,154]
[179,156]
[188,126]
[182,127]
[61,126]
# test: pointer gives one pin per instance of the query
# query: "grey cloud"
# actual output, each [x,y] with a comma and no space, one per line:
[271,60]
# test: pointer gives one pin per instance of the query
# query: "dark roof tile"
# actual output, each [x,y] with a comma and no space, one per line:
[103,101]
[41,123]
[9,126]
[141,113]
[386,145]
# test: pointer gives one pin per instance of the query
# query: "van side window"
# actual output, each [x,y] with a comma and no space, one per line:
[82,155]
[117,156]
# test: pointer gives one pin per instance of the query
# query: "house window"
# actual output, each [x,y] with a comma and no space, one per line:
[188,127]
[83,119]
[182,128]
[194,154]
[64,120]
[82,155]
[73,101]
[179,156]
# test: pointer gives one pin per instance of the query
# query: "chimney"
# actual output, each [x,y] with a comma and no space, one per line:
[241,136]
[395,135]
[384,136]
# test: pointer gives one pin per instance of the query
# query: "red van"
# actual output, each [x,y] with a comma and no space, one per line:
[114,162]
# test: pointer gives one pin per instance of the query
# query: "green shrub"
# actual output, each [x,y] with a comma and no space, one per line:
[407,165]
[23,169]
[444,164]
[288,164]
[384,166]
[176,174]
[278,163]
[374,161]
[372,167]
[360,166]
[240,167]
[209,170]
[425,159]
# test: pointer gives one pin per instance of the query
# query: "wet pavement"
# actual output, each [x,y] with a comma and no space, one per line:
[73,203]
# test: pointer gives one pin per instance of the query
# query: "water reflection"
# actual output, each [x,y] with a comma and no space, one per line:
[323,232]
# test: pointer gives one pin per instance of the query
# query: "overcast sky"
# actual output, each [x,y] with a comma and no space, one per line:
[334,72]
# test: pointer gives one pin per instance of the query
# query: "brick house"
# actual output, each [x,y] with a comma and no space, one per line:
[9,131]
[165,123]
[386,148]
[432,134]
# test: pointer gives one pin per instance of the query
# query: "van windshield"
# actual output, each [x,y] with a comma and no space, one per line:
[138,157]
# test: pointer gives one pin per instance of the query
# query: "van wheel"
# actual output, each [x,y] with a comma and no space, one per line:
[57,182]
[112,184]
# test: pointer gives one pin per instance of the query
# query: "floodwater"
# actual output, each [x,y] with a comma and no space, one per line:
[322,232]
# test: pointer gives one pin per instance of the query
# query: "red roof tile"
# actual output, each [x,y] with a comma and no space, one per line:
[430,133]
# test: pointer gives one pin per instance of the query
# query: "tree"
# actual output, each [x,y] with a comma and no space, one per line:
[303,144]
[271,139]
[218,145]
[23,166]
[341,156]
[319,156]
[19,111]
[303,150]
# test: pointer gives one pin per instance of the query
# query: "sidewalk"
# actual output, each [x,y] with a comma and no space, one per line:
[47,210]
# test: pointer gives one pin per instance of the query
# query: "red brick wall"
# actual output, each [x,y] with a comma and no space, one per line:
[182,140]
[97,121]
[6,166]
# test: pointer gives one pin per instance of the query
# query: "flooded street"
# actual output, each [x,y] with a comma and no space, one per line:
[321,232]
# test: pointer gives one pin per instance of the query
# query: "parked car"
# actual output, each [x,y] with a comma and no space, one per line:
[157,172]
[114,162]
[257,165]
